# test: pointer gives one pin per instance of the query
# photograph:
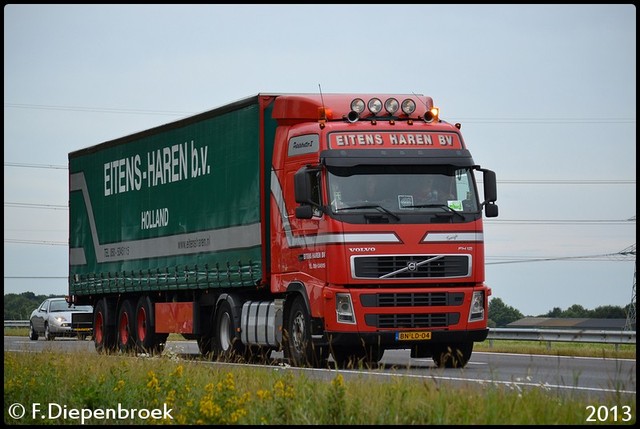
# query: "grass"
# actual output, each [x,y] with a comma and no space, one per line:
[84,387]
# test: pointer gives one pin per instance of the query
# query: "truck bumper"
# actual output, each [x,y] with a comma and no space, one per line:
[389,340]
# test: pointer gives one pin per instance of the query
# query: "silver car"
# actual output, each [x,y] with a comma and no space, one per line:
[56,318]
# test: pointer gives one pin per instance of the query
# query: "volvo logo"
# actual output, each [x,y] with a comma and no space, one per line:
[412,266]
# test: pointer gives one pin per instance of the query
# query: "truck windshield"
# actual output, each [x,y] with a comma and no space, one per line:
[402,189]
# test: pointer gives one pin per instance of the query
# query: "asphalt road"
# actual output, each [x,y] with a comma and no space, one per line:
[593,378]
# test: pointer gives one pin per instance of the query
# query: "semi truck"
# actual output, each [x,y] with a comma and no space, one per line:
[323,226]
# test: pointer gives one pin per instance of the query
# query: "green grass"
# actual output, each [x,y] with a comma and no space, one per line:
[199,393]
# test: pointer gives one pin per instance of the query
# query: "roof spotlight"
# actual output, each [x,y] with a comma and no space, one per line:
[408,106]
[391,105]
[375,106]
[357,105]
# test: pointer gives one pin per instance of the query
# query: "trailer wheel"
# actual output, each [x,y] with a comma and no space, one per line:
[298,346]
[147,340]
[103,332]
[126,326]
[453,355]
[225,344]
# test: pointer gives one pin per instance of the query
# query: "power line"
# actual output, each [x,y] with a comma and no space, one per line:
[36,277]
[97,109]
[495,120]
[628,254]
[20,241]
[554,120]
[560,221]
[37,206]
[19,164]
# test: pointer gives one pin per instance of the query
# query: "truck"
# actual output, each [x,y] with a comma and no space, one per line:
[296,223]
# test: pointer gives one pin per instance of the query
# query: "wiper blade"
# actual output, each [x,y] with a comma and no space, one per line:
[442,206]
[371,206]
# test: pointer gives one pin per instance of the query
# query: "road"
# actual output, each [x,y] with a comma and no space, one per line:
[593,377]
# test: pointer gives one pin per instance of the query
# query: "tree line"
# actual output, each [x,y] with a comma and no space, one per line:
[20,306]
[500,314]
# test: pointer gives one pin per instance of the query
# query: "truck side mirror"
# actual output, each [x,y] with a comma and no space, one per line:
[491,210]
[302,186]
[304,212]
[490,187]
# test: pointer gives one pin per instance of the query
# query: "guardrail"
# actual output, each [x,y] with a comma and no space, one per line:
[16,323]
[515,334]
[563,335]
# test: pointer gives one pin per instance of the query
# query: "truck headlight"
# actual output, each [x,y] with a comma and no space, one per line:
[344,308]
[477,307]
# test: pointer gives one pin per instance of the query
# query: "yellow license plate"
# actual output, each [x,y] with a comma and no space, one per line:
[82,329]
[413,336]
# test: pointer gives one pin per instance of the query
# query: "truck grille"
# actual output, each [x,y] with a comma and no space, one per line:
[411,266]
[396,321]
[422,299]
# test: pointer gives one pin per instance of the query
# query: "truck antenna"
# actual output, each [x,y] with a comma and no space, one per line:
[323,119]
[418,97]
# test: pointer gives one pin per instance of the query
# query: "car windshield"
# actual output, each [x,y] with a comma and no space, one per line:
[62,305]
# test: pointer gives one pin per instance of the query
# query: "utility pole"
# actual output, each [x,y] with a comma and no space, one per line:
[630,324]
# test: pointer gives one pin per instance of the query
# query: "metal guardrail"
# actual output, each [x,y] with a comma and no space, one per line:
[16,323]
[516,334]
[563,335]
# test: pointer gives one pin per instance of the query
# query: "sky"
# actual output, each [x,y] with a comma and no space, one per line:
[546,95]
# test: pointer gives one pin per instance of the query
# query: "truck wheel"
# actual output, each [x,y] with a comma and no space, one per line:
[453,355]
[47,333]
[104,337]
[126,326]
[298,347]
[354,356]
[225,344]
[33,335]
[147,340]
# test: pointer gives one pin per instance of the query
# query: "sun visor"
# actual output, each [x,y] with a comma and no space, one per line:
[350,158]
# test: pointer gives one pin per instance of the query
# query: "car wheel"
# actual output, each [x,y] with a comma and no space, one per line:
[33,335]
[47,333]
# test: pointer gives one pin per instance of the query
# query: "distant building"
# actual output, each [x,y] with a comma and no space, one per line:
[569,323]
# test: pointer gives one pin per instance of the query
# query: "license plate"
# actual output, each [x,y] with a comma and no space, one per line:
[83,329]
[413,336]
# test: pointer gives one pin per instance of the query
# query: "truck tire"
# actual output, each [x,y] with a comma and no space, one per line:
[354,356]
[298,346]
[225,344]
[454,355]
[126,331]
[104,334]
[33,335]
[147,340]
